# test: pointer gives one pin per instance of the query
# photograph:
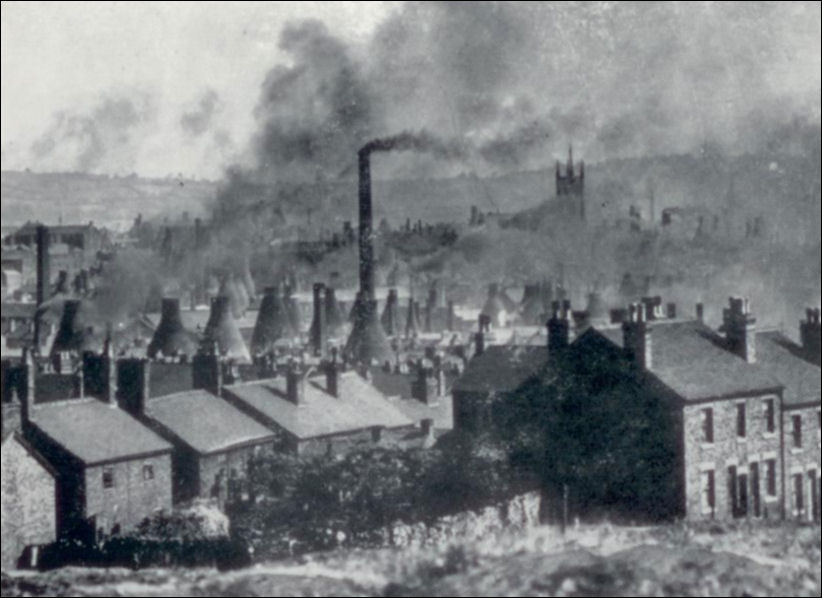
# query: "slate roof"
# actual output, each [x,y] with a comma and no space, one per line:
[358,406]
[397,387]
[96,432]
[502,368]
[205,422]
[784,360]
[690,359]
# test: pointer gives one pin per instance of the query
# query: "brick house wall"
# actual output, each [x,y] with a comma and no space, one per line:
[140,487]
[802,463]
[29,502]
[741,466]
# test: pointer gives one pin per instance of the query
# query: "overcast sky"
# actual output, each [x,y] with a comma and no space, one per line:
[166,88]
[61,56]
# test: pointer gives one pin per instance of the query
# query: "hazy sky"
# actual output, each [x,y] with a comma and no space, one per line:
[162,88]
[64,56]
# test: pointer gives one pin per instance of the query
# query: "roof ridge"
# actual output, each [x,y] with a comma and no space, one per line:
[68,401]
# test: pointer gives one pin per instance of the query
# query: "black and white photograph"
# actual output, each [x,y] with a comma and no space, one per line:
[411,298]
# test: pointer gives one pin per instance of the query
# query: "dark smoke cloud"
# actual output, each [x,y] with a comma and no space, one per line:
[197,121]
[421,141]
[519,81]
[313,115]
[104,135]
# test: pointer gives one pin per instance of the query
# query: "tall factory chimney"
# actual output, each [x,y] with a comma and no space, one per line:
[367,342]
[43,277]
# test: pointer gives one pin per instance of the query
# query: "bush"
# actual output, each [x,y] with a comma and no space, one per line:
[316,503]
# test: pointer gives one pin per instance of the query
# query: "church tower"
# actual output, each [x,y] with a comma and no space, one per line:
[572,184]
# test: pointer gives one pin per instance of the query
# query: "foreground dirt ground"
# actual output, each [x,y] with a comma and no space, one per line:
[603,560]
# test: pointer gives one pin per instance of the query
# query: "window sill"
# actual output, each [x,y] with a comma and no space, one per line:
[741,439]
[796,450]
[769,435]
[707,445]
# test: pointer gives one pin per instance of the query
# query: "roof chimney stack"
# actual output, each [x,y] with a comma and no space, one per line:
[134,384]
[559,328]
[295,384]
[739,327]
[809,334]
[332,374]
[207,369]
[636,336]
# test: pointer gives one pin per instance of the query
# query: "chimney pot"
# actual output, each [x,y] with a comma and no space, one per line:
[295,384]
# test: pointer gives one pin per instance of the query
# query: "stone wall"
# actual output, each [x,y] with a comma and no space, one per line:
[133,497]
[520,512]
[804,461]
[728,450]
[28,502]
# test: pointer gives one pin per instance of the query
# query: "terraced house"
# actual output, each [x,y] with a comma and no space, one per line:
[736,413]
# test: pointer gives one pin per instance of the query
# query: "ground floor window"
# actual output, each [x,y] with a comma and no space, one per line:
[708,493]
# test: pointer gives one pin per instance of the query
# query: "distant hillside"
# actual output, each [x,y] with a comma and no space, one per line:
[782,188]
[109,201]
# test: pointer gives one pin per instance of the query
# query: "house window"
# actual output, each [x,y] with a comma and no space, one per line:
[108,477]
[733,487]
[740,420]
[798,494]
[756,499]
[770,415]
[708,493]
[708,425]
[770,474]
[742,495]
[797,431]
[148,472]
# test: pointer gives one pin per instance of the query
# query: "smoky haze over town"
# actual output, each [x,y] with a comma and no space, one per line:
[522,296]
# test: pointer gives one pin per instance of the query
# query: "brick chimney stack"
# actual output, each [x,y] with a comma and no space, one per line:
[636,336]
[207,370]
[133,384]
[810,336]
[295,383]
[739,327]
[559,327]
[332,374]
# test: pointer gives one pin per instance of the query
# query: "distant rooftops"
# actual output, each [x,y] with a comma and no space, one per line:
[358,405]
[206,423]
